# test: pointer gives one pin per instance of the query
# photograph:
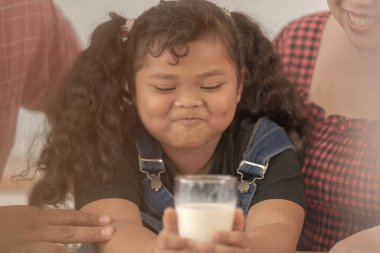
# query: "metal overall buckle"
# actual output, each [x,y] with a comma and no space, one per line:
[155,181]
[244,185]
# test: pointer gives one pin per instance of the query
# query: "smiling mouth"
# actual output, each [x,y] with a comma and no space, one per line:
[361,21]
[189,121]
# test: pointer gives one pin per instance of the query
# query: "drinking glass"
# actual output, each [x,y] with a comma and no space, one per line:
[204,204]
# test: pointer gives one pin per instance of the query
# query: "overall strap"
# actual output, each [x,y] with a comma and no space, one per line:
[156,196]
[267,140]
[150,222]
[150,157]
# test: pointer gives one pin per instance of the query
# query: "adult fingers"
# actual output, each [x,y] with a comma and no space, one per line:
[39,247]
[72,234]
[74,217]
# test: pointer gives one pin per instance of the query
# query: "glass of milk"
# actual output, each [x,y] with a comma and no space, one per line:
[204,204]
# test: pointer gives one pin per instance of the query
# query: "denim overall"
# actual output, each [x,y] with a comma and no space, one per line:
[267,139]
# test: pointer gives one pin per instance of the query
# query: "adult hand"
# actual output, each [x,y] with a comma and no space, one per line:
[32,230]
[235,241]
[366,241]
[168,239]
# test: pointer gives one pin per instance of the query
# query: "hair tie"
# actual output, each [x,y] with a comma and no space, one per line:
[127,28]
[226,11]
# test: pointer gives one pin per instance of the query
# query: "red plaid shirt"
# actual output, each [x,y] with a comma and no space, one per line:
[342,155]
[37,46]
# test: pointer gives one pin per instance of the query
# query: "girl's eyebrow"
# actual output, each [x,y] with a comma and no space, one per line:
[215,72]
[160,75]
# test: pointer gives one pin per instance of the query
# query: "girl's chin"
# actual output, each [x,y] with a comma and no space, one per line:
[187,146]
[192,143]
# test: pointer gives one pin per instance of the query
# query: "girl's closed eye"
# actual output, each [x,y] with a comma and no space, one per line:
[212,86]
[164,88]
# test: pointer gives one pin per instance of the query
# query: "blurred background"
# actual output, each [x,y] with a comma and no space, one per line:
[85,15]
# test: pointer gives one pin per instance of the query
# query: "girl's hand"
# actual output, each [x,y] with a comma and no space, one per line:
[168,239]
[235,241]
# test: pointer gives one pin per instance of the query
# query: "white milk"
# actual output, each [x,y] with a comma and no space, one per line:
[198,221]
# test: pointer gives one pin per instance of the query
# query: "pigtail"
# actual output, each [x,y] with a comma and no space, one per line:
[87,133]
[266,89]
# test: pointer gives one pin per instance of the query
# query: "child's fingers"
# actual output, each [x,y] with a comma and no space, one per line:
[239,220]
[169,221]
[217,248]
[236,239]
[168,241]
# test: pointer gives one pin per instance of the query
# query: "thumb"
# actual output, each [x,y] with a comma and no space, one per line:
[169,221]
[239,220]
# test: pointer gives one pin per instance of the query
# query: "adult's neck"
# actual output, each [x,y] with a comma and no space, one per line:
[365,59]
[346,78]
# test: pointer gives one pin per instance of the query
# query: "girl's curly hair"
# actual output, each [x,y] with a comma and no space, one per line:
[90,122]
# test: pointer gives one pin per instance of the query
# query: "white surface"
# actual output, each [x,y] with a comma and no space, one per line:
[8,198]
[272,14]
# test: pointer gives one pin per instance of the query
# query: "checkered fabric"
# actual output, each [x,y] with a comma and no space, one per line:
[342,155]
[36,47]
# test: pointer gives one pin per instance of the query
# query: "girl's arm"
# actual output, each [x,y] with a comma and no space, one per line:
[130,235]
[274,226]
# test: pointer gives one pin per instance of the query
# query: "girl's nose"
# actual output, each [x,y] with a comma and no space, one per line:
[188,99]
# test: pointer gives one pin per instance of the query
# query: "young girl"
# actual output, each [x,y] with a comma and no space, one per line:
[186,88]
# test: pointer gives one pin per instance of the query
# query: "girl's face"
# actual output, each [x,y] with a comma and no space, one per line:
[361,21]
[190,104]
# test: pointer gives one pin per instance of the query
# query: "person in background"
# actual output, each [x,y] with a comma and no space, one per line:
[334,58]
[37,47]
[192,85]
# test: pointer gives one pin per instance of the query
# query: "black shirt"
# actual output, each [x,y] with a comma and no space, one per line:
[283,178]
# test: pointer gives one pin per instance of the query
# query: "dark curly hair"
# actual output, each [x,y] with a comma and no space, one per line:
[90,122]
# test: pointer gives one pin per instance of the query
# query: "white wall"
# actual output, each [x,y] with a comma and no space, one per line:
[86,14]
[272,14]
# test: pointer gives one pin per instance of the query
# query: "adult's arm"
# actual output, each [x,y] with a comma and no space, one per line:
[29,229]
[366,241]
[53,56]
[38,46]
